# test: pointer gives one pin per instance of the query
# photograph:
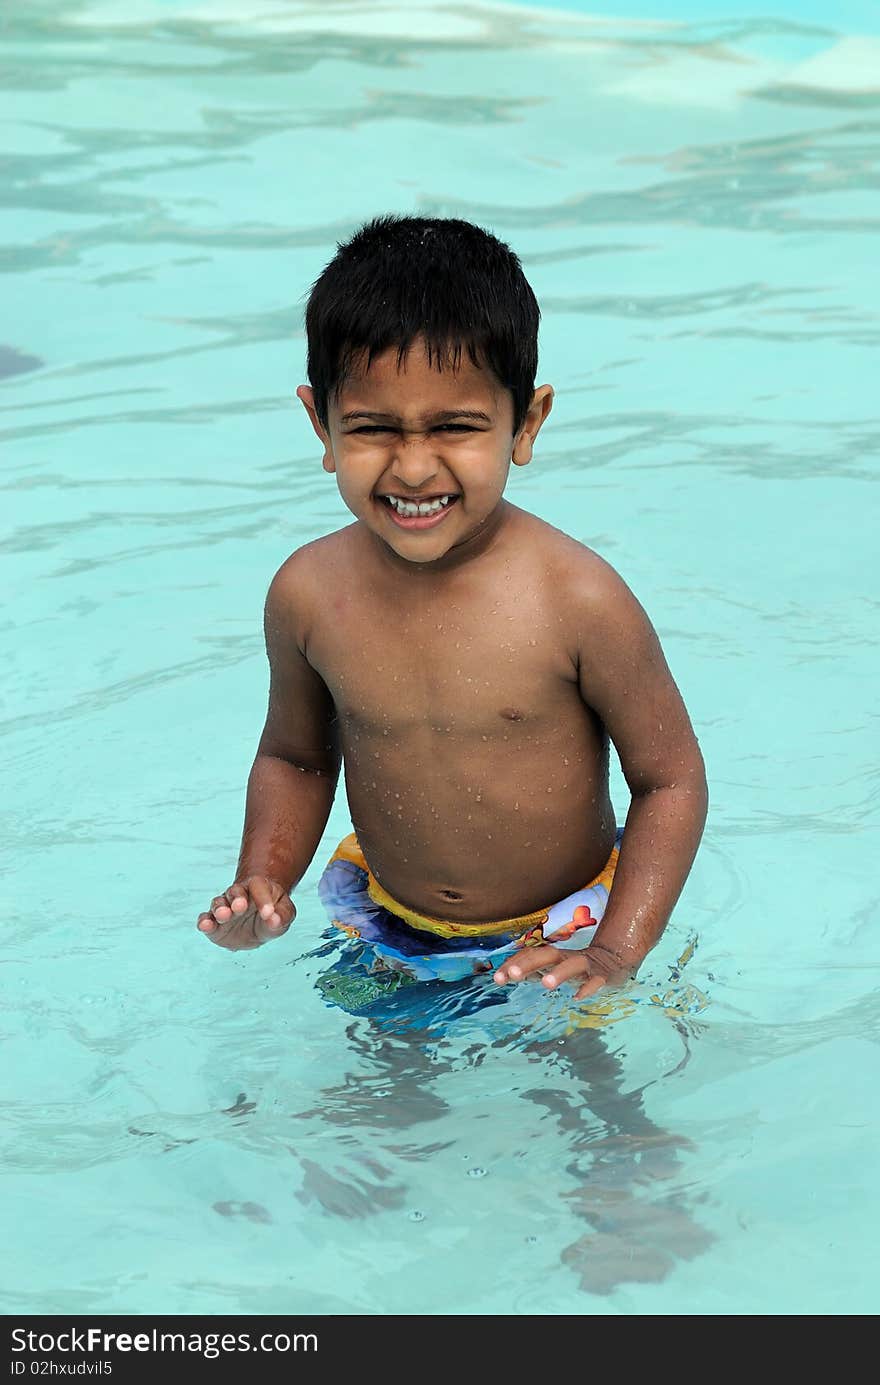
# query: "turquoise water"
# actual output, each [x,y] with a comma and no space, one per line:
[696,205]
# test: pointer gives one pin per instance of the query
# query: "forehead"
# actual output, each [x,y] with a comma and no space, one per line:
[413,385]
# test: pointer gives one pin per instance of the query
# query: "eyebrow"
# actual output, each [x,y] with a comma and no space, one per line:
[445,416]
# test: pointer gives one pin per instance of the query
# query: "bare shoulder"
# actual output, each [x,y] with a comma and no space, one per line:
[297,592]
[315,560]
[583,582]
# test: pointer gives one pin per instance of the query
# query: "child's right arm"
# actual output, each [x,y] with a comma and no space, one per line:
[291,785]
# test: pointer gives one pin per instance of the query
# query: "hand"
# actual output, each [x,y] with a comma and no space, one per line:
[589,969]
[251,912]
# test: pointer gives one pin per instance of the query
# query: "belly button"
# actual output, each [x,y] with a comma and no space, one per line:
[450,894]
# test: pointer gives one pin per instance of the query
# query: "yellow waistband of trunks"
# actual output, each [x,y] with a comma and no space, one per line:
[349,850]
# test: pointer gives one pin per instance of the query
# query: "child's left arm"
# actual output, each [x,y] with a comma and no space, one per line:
[624,677]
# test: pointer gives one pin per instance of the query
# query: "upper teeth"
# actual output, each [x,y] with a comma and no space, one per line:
[425,507]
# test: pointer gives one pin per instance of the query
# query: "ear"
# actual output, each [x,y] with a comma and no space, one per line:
[542,403]
[306,395]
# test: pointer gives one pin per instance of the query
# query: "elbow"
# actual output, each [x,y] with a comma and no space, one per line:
[694,787]
[321,764]
[701,780]
[685,780]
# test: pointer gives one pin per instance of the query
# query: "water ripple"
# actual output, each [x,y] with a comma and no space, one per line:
[696,205]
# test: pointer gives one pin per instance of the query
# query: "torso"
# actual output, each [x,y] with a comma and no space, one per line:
[477,777]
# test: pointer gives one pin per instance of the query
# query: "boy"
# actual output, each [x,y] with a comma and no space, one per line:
[464,660]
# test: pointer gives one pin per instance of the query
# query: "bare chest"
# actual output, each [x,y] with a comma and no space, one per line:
[494,667]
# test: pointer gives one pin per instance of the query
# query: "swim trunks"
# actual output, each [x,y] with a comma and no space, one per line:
[422,948]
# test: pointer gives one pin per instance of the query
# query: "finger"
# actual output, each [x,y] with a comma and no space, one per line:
[526,961]
[570,966]
[282,916]
[274,904]
[237,926]
[220,907]
[272,914]
[262,892]
[239,899]
[272,926]
[590,987]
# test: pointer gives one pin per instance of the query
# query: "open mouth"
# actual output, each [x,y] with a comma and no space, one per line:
[418,514]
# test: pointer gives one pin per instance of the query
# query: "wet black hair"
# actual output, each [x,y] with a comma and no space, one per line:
[446,281]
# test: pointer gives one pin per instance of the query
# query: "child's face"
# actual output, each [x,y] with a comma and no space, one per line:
[420,436]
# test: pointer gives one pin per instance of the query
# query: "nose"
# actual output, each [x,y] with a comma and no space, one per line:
[415,461]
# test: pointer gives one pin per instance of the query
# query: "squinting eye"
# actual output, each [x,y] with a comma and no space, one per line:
[370,430]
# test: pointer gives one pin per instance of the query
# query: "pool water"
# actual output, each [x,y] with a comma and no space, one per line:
[695,202]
